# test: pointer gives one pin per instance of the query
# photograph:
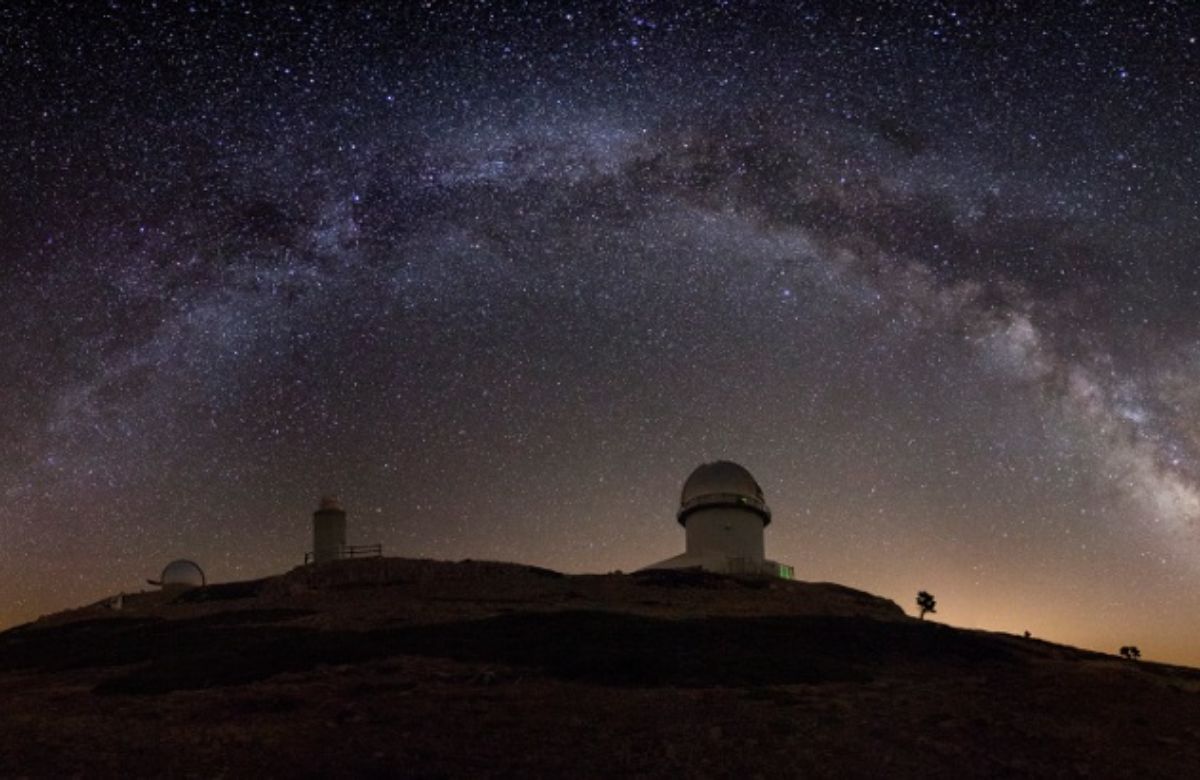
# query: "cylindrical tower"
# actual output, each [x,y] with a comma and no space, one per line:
[723,510]
[329,531]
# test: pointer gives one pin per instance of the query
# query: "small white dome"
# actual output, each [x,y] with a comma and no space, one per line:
[722,483]
[182,573]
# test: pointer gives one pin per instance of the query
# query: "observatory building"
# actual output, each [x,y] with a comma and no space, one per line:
[180,574]
[329,531]
[329,536]
[723,513]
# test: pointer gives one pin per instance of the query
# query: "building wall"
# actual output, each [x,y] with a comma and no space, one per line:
[727,532]
[329,535]
[722,564]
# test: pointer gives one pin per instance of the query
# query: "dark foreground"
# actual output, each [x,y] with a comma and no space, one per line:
[418,668]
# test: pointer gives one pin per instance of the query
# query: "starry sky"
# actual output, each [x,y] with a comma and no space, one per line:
[500,275]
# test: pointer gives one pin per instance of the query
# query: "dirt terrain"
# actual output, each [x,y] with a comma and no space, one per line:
[392,667]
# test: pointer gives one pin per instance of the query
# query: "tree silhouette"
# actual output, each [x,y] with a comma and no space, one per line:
[1131,652]
[926,603]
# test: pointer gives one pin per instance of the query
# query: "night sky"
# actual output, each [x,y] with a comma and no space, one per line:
[499,276]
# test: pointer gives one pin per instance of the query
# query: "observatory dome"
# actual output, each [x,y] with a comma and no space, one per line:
[182,573]
[722,483]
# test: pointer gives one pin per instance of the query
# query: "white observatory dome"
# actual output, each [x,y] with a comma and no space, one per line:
[722,483]
[724,515]
[182,573]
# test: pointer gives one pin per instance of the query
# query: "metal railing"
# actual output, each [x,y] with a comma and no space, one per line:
[760,567]
[352,551]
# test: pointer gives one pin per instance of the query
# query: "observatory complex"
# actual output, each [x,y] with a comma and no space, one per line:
[723,513]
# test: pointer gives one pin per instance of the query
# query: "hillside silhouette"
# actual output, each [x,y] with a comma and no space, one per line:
[425,668]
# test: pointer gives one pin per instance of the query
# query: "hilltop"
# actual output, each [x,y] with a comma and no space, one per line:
[425,668]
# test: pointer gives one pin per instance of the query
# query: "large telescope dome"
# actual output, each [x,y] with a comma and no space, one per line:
[182,573]
[722,483]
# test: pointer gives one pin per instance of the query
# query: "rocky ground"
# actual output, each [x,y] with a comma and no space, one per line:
[423,668]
